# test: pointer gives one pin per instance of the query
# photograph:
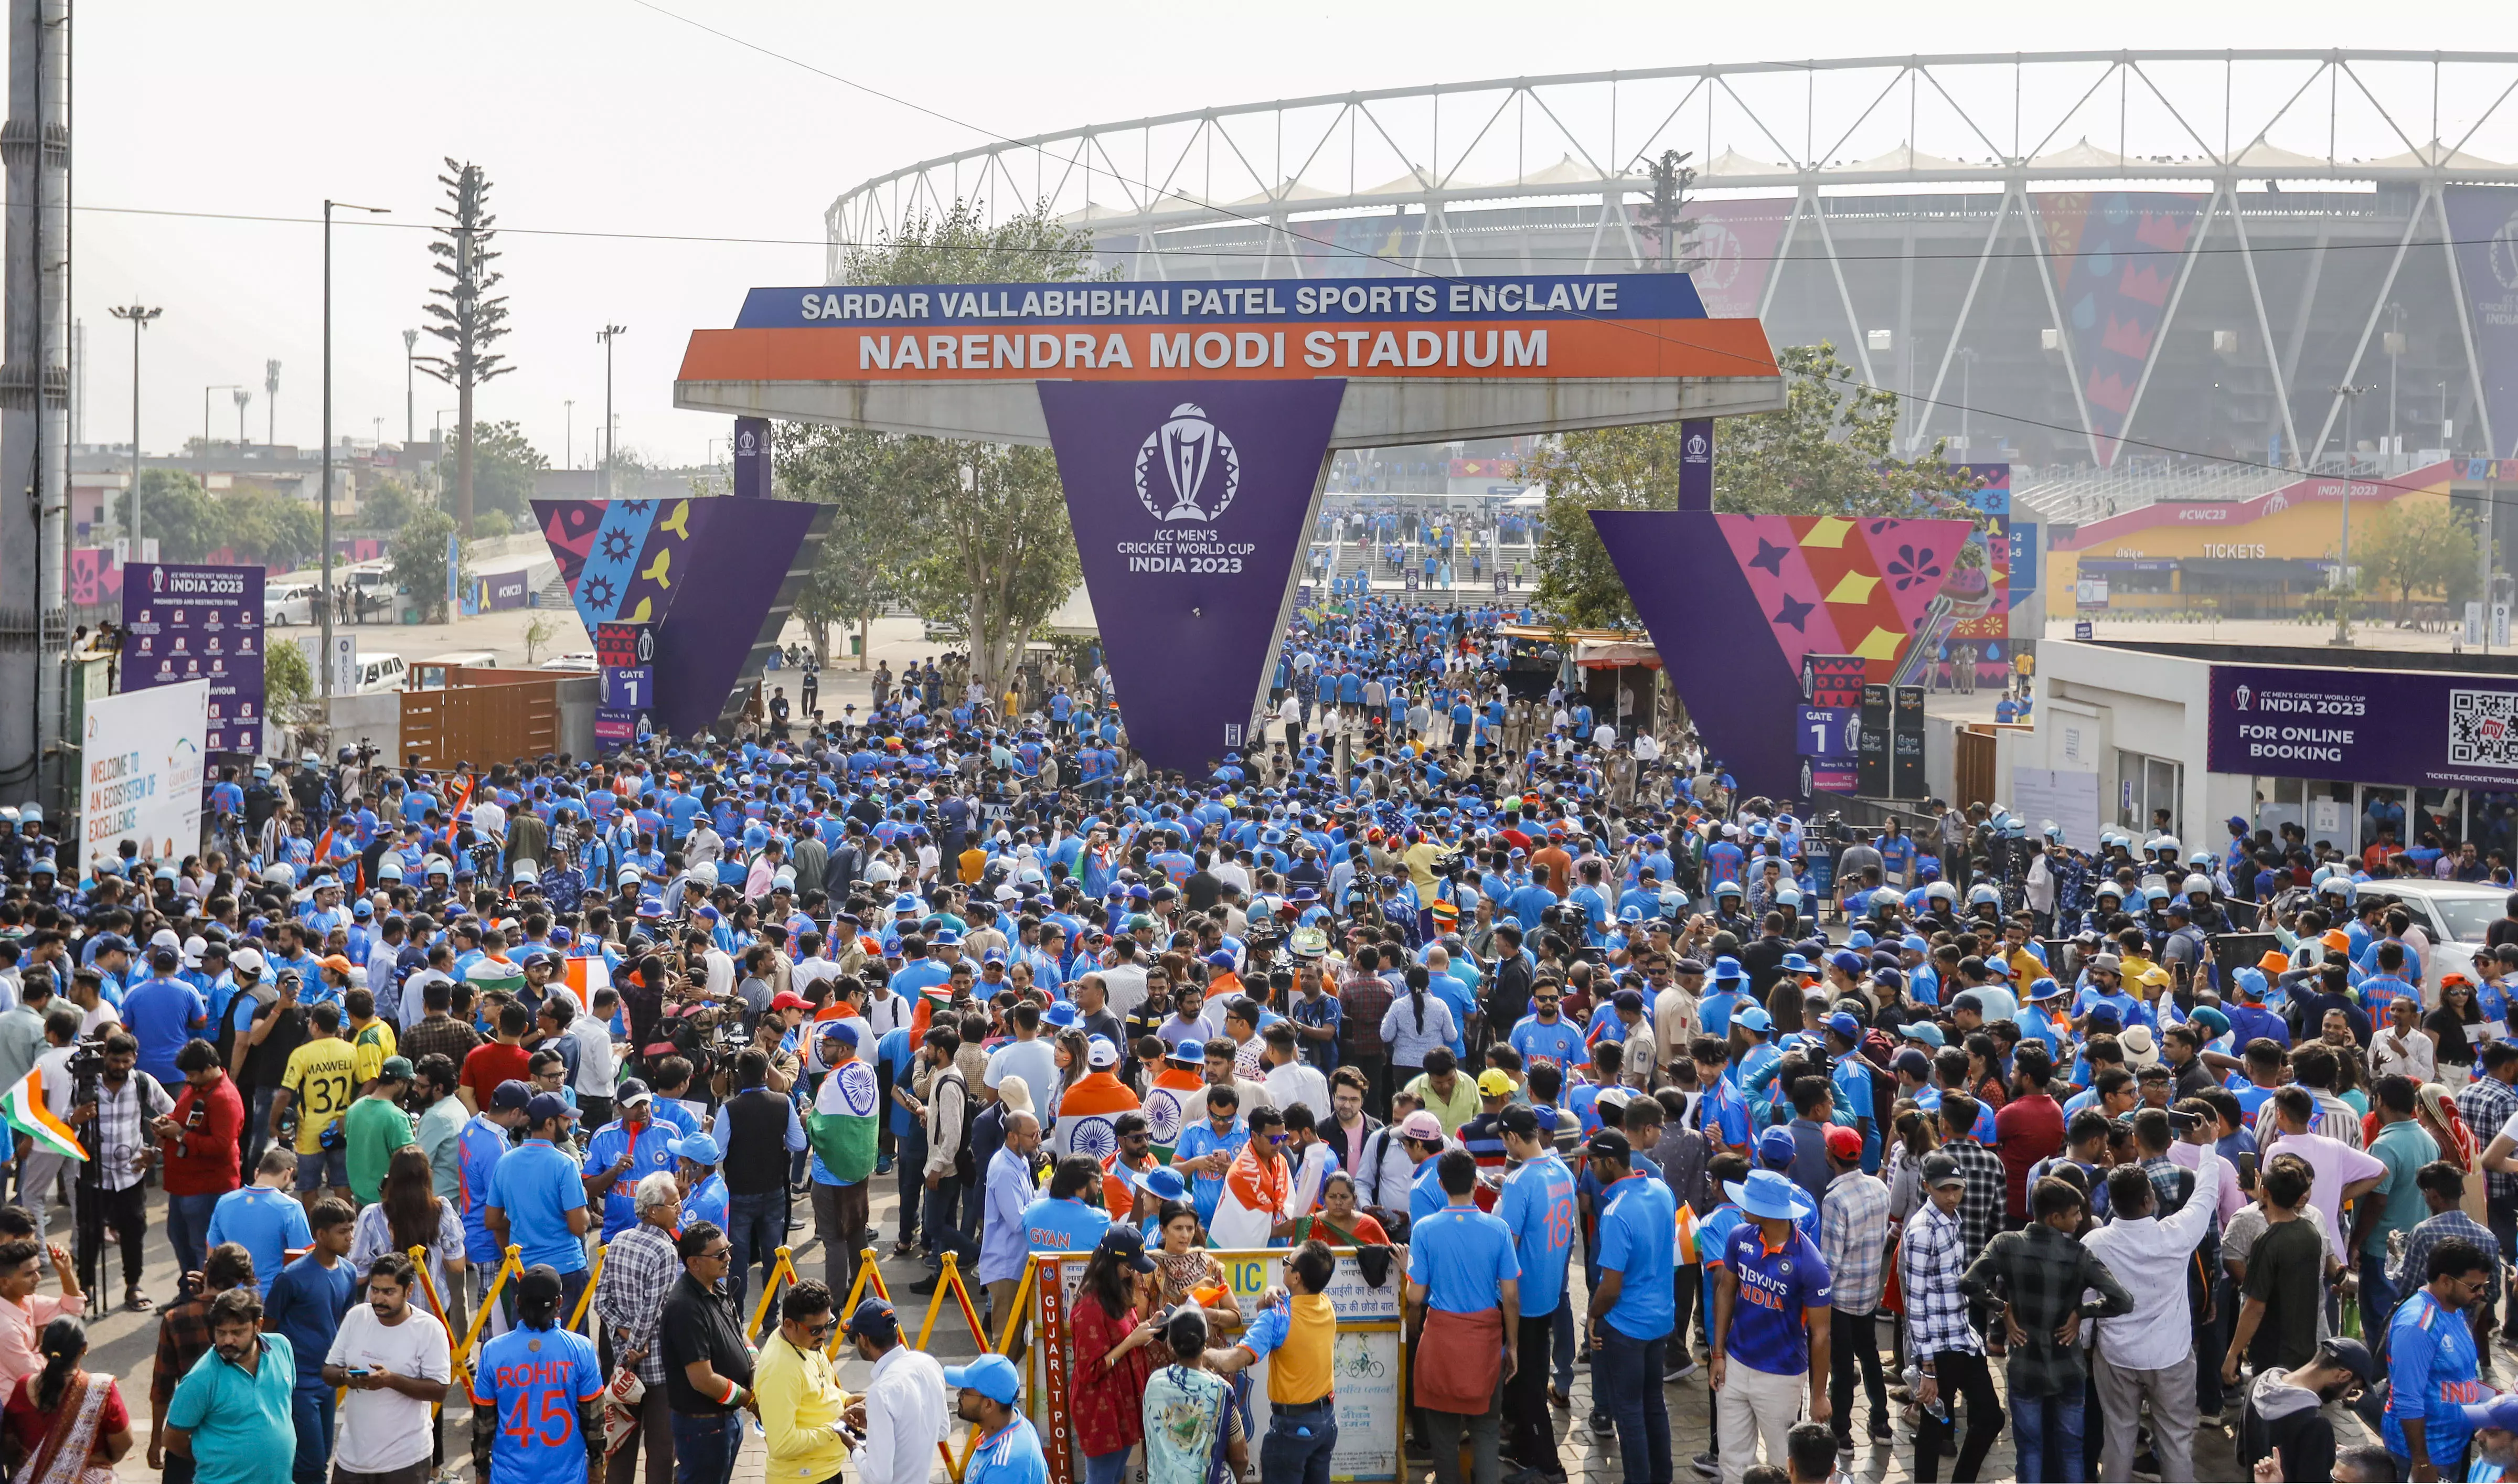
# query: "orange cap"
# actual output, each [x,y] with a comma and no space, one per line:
[2275,962]
[2337,940]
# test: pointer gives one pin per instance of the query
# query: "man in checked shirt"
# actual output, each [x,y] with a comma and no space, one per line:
[1931,1263]
[2035,1276]
[640,1268]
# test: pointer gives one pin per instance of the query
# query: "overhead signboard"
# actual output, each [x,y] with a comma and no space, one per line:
[1192,421]
[2409,728]
[141,773]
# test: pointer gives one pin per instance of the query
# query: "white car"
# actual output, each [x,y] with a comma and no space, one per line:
[2454,914]
[287,603]
[578,660]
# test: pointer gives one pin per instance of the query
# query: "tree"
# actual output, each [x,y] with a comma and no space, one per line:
[2417,548]
[1670,232]
[538,635]
[265,526]
[390,505]
[469,319]
[504,465]
[969,534]
[287,680]
[176,512]
[1826,453]
[859,574]
[418,556]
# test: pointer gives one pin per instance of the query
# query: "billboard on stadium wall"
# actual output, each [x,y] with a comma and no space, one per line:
[2483,223]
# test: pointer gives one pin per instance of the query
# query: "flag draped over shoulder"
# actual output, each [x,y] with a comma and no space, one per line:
[29,1115]
[1088,1115]
[1172,1104]
[843,1123]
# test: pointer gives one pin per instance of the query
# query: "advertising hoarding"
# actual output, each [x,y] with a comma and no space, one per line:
[184,622]
[141,773]
[2411,728]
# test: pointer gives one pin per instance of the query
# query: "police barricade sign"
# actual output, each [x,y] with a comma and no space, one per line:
[1366,1369]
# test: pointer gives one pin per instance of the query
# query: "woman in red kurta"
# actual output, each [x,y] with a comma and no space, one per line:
[1109,1360]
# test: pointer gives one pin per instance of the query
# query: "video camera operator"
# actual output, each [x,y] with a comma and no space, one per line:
[113,1105]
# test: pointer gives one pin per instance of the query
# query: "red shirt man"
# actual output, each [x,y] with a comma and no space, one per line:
[2028,1128]
[201,1135]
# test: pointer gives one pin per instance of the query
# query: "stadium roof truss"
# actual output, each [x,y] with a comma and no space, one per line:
[1314,187]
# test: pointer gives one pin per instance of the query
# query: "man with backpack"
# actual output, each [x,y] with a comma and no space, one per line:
[946,1106]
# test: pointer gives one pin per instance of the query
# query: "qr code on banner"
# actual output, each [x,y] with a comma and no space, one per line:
[2483,727]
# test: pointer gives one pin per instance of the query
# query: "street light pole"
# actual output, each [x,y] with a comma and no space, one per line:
[610,435]
[140,315]
[2351,396]
[323,664]
[205,434]
[568,439]
[410,415]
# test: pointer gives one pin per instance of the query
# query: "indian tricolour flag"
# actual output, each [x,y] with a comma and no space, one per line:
[29,1115]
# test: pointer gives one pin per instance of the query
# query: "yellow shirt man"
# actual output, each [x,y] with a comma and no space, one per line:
[799,1410]
[320,1076]
[374,1045]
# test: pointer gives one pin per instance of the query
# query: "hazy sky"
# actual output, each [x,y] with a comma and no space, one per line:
[608,116]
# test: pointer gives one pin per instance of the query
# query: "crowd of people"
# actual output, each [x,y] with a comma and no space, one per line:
[1449,975]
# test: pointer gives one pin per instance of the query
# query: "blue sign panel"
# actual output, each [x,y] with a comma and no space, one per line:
[629,687]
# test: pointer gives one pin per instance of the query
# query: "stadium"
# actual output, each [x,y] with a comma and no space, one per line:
[2134,275]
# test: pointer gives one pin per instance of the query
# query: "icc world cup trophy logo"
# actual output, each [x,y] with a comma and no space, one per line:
[1201,472]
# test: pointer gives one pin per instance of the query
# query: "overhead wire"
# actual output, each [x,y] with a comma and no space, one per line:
[1100,251]
[1315,247]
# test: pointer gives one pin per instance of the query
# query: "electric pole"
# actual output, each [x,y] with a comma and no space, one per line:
[410,415]
[270,404]
[611,434]
[141,317]
[323,599]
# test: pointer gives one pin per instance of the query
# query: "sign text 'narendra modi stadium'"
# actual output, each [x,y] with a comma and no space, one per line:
[1645,325]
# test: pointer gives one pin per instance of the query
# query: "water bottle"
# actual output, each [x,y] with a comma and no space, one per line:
[1940,1407]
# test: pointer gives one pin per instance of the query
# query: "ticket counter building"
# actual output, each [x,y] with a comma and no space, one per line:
[2340,744]
[2263,557]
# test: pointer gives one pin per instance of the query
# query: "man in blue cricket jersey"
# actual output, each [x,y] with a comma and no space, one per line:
[1538,1208]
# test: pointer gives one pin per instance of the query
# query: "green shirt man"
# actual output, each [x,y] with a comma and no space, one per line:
[374,1127]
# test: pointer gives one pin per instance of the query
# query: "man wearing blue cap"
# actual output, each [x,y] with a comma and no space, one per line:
[1009,1449]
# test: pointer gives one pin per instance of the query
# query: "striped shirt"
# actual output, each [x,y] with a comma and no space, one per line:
[2334,1118]
[1854,1240]
[1931,1261]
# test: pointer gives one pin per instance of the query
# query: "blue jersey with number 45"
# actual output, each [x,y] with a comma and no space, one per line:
[534,1380]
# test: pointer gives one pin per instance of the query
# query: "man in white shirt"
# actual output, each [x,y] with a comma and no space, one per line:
[1123,982]
[894,1427]
[593,1037]
[2149,1353]
[394,1360]
[1289,1078]
[885,1012]
[489,818]
[1026,1056]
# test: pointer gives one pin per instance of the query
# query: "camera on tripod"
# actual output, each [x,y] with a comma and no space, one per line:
[87,1070]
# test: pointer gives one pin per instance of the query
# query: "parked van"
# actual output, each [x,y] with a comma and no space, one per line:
[380,672]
